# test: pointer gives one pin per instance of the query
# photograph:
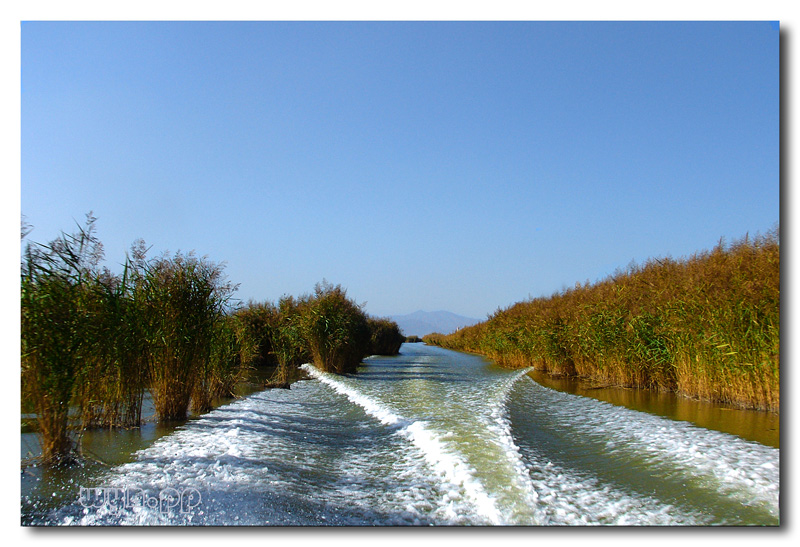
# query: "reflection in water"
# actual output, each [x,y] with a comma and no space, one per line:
[102,448]
[752,425]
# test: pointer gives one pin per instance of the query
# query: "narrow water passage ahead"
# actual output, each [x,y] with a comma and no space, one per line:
[438,437]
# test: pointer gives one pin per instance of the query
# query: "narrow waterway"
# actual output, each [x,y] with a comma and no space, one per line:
[431,437]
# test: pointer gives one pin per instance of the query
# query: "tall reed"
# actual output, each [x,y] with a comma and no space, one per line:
[385,336]
[706,326]
[289,345]
[61,329]
[182,297]
[259,320]
[231,354]
[110,389]
[334,329]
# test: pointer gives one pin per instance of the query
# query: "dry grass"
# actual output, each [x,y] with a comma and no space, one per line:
[707,326]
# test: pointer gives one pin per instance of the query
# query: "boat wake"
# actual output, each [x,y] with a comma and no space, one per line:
[432,437]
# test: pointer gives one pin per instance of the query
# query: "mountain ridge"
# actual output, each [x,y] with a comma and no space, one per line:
[422,322]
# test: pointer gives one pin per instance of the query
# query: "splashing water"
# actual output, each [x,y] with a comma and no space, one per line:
[433,437]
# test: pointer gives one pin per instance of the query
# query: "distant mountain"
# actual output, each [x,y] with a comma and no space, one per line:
[421,322]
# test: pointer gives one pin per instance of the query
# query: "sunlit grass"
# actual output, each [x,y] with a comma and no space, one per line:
[182,299]
[707,326]
[93,342]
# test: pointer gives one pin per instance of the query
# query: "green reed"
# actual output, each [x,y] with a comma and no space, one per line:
[385,336]
[259,320]
[289,344]
[109,390]
[62,329]
[334,329]
[181,298]
[232,353]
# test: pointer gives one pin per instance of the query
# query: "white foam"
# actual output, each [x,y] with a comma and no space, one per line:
[521,491]
[446,463]
[745,471]
[557,496]
[276,447]
[383,414]
[435,446]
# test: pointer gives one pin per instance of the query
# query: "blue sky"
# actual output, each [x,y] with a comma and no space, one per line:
[457,166]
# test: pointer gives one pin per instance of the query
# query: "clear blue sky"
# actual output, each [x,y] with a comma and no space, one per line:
[457,166]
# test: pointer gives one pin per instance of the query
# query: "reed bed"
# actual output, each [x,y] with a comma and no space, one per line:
[707,326]
[182,300]
[334,329]
[326,327]
[385,336]
[93,342]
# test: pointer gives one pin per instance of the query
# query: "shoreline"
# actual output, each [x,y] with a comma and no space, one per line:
[602,384]
[758,425]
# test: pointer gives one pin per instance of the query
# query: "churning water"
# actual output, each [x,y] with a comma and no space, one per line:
[433,437]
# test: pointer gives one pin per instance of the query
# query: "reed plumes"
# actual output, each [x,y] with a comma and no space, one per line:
[182,298]
[707,326]
[61,327]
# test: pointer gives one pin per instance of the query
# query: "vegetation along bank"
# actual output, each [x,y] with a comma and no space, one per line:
[707,326]
[92,341]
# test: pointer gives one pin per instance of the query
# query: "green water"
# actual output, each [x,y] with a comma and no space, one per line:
[435,437]
[762,427]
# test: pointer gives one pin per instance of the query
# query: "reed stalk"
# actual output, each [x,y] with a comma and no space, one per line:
[61,330]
